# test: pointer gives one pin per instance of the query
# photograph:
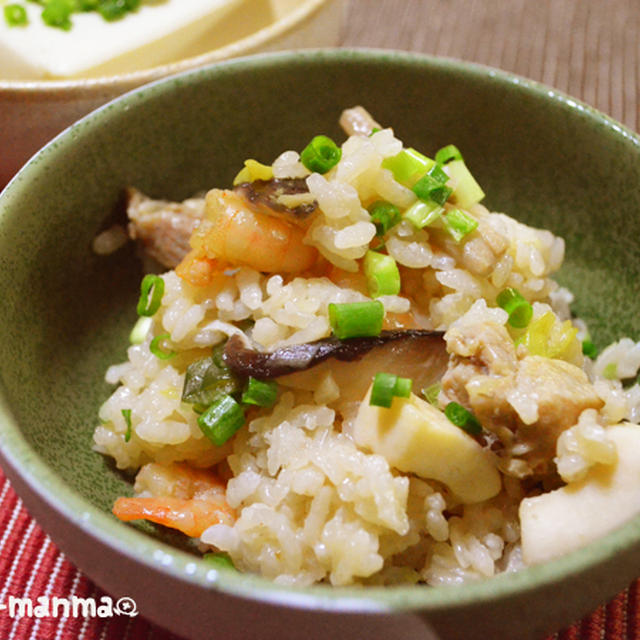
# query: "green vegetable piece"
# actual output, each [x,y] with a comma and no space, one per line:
[467,191]
[589,349]
[126,414]
[219,560]
[321,154]
[384,215]
[382,392]
[15,15]
[448,153]
[221,420]
[260,392]
[383,276]
[151,292]
[408,165]
[462,418]
[112,10]
[207,379]
[402,388]
[356,319]
[429,189]
[610,372]
[431,393]
[57,13]
[459,224]
[140,330]
[156,347]
[423,214]
[438,174]
[520,311]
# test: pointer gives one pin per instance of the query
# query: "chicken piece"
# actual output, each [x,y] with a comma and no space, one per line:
[163,228]
[527,403]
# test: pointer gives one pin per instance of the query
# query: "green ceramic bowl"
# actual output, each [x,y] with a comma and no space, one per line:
[66,313]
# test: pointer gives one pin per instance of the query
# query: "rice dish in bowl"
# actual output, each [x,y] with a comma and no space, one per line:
[354,372]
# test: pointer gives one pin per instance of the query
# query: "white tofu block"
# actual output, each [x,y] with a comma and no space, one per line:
[155,34]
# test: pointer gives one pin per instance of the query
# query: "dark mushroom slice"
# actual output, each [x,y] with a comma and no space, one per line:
[287,198]
[416,354]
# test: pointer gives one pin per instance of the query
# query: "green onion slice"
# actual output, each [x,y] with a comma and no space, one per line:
[610,372]
[384,215]
[462,418]
[321,154]
[156,348]
[431,189]
[520,311]
[221,420]
[423,214]
[448,153]
[140,330]
[459,224]
[151,292]
[219,560]
[356,319]
[260,392]
[408,165]
[589,349]
[383,276]
[126,414]
[386,386]
[15,15]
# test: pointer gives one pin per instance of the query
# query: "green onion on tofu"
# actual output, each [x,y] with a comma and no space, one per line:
[423,214]
[321,154]
[408,165]
[462,418]
[219,560]
[151,292]
[57,13]
[221,420]
[126,414]
[356,319]
[384,215]
[459,224]
[15,15]
[520,311]
[386,386]
[262,393]
[156,347]
[383,276]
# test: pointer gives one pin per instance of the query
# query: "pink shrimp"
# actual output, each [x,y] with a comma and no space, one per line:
[197,501]
[235,233]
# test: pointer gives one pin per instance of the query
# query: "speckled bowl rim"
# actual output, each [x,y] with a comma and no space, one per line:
[160,556]
[73,87]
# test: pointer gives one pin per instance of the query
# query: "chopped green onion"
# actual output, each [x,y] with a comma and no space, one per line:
[462,418]
[610,372]
[448,153]
[589,349]
[384,215]
[423,214]
[430,188]
[321,154]
[260,393]
[156,348]
[520,311]
[219,560]
[431,393]
[408,165]
[386,386]
[151,292]
[459,223]
[115,9]
[126,414]
[15,15]
[57,13]
[140,330]
[207,379]
[375,130]
[356,319]
[221,420]
[466,191]
[381,271]
[438,174]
